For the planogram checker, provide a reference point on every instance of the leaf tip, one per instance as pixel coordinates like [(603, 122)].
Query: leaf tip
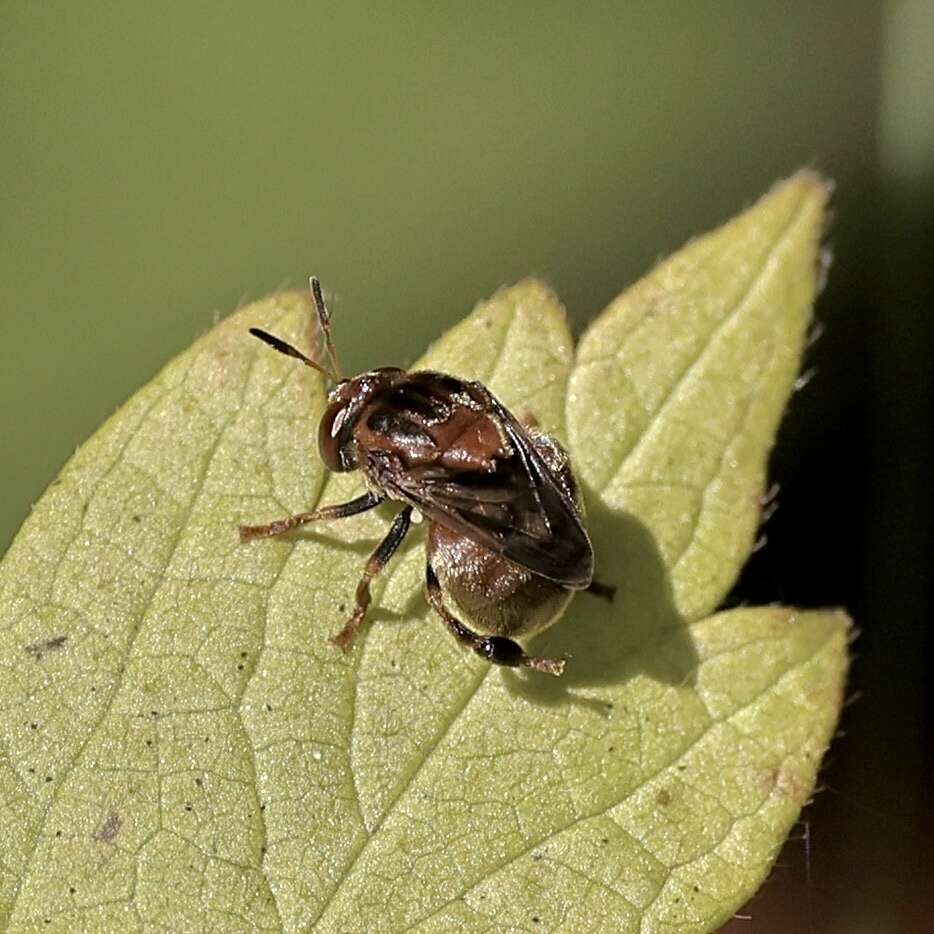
[(532, 292), (839, 619), (810, 189), (811, 180)]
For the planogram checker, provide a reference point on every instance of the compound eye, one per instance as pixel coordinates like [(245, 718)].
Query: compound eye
[(333, 434)]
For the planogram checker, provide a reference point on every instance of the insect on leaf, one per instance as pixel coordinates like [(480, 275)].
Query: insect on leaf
[(183, 746)]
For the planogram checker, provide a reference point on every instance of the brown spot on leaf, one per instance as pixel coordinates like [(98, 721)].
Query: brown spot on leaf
[(785, 783), (663, 797), (789, 785), (108, 831)]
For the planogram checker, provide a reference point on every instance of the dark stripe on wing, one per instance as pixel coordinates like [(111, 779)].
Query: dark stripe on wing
[(518, 511)]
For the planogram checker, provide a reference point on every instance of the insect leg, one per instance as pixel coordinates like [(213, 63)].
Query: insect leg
[(375, 563), (338, 511), (603, 591), (496, 649)]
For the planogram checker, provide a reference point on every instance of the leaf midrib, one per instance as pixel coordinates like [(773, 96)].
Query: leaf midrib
[(670, 396), (455, 713)]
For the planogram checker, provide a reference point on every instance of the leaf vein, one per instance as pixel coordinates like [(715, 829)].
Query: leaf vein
[(672, 392), (136, 628), (604, 812)]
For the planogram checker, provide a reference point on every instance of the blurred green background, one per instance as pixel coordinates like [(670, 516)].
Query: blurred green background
[(162, 162)]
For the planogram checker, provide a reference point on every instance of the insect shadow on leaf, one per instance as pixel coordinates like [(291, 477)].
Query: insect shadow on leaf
[(640, 632)]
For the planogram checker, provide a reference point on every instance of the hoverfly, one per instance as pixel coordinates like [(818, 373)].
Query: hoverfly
[(505, 535)]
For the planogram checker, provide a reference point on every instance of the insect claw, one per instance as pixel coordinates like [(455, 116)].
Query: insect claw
[(342, 642), (250, 532), (550, 666), (345, 637)]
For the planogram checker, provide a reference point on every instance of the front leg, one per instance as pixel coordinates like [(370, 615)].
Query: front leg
[(338, 511), (496, 649)]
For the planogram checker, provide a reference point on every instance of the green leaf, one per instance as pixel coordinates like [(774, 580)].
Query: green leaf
[(183, 747), (681, 382)]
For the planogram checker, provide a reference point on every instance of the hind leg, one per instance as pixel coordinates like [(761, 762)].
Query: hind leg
[(496, 649)]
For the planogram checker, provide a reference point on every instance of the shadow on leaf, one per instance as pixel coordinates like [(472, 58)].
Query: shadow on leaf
[(639, 633)]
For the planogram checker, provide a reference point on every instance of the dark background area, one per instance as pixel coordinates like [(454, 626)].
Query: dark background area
[(159, 164)]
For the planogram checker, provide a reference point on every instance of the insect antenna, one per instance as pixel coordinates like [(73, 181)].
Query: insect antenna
[(290, 351), (324, 319)]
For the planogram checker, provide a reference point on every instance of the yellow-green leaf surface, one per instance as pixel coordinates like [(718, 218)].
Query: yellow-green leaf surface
[(681, 382), (184, 749)]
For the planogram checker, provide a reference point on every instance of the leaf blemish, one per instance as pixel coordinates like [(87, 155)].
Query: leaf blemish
[(38, 649), (108, 831), (784, 783)]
